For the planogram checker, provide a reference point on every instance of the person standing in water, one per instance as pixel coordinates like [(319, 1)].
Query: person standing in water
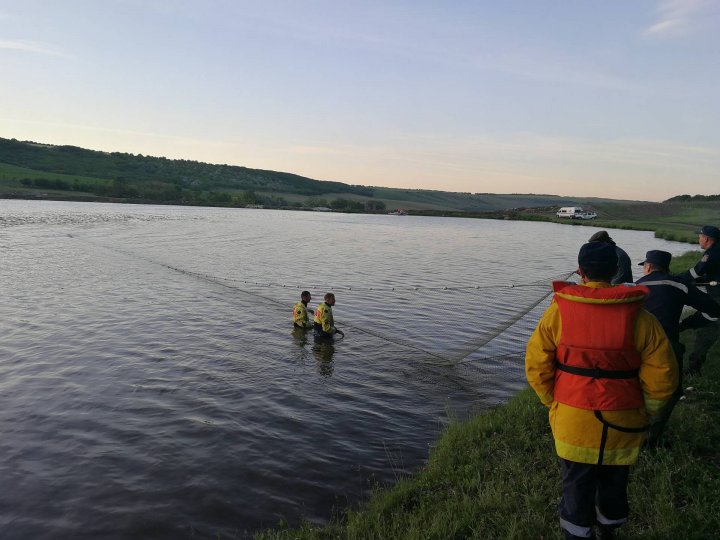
[(300, 312), (324, 325)]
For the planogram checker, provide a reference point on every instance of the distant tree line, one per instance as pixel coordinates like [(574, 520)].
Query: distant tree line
[(185, 174), (53, 183), (693, 198), (123, 188), (345, 205)]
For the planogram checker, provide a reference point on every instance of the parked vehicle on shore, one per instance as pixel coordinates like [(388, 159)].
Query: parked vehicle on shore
[(575, 212)]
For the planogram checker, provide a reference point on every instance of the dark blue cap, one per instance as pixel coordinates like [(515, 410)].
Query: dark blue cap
[(658, 258), (597, 255), (709, 230)]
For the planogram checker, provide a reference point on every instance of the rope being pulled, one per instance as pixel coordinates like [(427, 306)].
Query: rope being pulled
[(475, 345)]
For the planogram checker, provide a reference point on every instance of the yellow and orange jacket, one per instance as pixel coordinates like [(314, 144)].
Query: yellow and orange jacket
[(300, 316), (627, 364), (324, 318)]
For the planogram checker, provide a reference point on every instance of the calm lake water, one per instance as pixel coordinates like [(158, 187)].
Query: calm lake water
[(151, 385)]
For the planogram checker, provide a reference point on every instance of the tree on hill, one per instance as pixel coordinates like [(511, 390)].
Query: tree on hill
[(693, 198), (375, 206)]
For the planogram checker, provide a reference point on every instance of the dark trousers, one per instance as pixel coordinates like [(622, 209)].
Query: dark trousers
[(592, 494), (656, 429), (705, 338)]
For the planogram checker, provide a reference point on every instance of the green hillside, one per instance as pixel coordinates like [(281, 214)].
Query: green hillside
[(34, 170), (42, 171), (140, 169)]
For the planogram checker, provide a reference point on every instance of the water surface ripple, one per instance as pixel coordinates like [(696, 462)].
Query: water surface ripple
[(151, 385)]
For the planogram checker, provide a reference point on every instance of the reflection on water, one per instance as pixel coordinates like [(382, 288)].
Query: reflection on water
[(151, 385), (300, 335), (323, 350)]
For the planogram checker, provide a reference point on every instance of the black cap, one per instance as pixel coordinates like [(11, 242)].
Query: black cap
[(600, 236), (658, 258), (710, 230), (597, 255)]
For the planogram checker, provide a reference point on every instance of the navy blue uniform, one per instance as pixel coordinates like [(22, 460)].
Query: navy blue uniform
[(706, 270), (669, 294)]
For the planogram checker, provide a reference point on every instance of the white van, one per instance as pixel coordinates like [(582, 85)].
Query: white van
[(569, 211), (575, 212)]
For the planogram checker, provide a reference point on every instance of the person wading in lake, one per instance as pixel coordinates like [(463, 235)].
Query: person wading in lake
[(300, 313), (324, 325), (707, 270), (624, 269), (604, 367), (668, 296)]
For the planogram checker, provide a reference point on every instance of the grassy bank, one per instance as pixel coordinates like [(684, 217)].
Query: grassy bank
[(497, 476), (675, 221)]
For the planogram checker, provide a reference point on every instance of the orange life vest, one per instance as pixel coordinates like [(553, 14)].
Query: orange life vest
[(597, 364)]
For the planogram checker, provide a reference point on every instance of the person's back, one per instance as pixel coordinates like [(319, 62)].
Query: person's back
[(300, 312), (666, 300), (323, 319), (602, 365), (624, 272), (624, 265), (301, 318), (323, 322)]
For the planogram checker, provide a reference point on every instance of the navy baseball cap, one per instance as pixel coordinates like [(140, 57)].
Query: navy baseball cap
[(658, 258), (710, 230), (597, 255)]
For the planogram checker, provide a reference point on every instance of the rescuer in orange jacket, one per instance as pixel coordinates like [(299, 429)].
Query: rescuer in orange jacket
[(604, 367)]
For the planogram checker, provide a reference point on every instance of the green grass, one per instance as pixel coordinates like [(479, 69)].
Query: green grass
[(497, 476), (10, 175), (676, 221)]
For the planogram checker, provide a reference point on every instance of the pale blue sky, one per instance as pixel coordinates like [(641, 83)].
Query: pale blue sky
[(575, 97)]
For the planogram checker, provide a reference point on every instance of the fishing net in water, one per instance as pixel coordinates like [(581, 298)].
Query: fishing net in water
[(458, 326), (470, 327)]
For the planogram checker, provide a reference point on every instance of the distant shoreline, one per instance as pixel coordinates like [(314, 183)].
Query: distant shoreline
[(667, 228)]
